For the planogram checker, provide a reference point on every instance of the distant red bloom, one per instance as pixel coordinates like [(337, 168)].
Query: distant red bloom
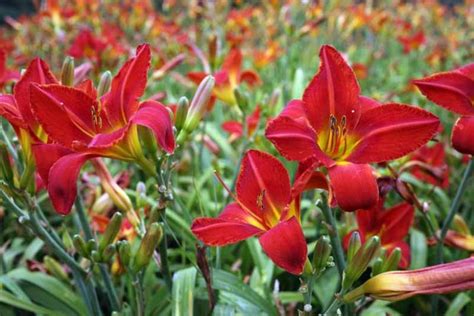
[(429, 165), (84, 127), (412, 41), (391, 225), (265, 206), (6, 74), (87, 45), (454, 91), (235, 128), (229, 77), (345, 131)]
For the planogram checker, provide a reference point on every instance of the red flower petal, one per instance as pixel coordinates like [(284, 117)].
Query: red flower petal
[(391, 131), (9, 110), (250, 77), (367, 103), (294, 139), (230, 227), (354, 186), (333, 91), (64, 113), (233, 127), (463, 135), (156, 117), (45, 157), (285, 245), (87, 86), (233, 62), (127, 86), (196, 77), (263, 186), (467, 70), (294, 109), (451, 90), (406, 253), (37, 72), (395, 222), (62, 186)]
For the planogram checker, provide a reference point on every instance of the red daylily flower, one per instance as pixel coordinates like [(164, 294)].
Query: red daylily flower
[(429, 165), (235, 128), (6, 75), (454, 91), (87, 45), (83, 127), (265, 206), (345, 131), (229, 77), (412, 42), (391, 225)]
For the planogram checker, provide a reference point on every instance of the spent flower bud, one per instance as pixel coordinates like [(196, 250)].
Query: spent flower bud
[(67, 71)]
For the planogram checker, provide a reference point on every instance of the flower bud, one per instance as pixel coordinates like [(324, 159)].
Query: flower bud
[(80, 246), (104, 83), (108, 252), (181, 113), (242, 100), (377, 267), (391, 263), (212, 47), (6, 171), (199, 103), (460, 226), (354, 245), (147, 246), (113, 228), (124, 252), (55, 268), (91, 245), (322, 251), (67, 241), (67, 72), (360, 261)]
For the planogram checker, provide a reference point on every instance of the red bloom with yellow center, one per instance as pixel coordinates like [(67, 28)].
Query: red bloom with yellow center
[(345, 131), (229, 77), (266, 206), (454, 91), (391, 225), (83, 127)]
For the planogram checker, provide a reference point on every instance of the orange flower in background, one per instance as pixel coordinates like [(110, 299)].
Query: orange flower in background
[(229, 77)]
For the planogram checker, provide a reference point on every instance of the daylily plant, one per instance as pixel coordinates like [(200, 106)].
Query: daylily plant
[(454, 91), (391, 225), (265, 206), (345, 131), (83, 127)]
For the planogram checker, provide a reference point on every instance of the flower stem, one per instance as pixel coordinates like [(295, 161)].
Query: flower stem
[(334, 236), (163, 248), (139, 296)]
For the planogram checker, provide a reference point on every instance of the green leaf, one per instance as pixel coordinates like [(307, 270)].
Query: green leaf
[(11, 285), (52, 288), (458, 304), (298, 84), (419, 249), (326, 286), (264, 265), (291, 297), (380, 308), (10, 299), (32, 249), (182, 295)]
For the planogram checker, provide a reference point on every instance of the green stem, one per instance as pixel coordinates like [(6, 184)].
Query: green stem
[(111, 293), (336, 303), (163, 248), (139, 296), (94, 302), (335, 240), (83, 220)]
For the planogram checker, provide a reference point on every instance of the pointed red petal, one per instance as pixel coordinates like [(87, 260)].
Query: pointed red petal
[(233, 128), (127, 86), (467, 70), (45, 157), (285, 245), (196, 77), (367, 104), (391, 131), (263, 186), (9, 110), (37, 72), (250, 77), (62, 186), (396, 222), (64, 113), (451, 90), (294, 139), (233, 62), (156, 117), (294, 109), (354, 186), (87, 86), (232, 225), (462, 136), (333, 91), (307, 177)]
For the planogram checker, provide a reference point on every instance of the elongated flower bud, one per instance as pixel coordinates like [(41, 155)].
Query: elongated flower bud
[(104, 83), (80, 246), (377, 267), (398, 285), (147, 246), (242, 100), (181, 113), (360, 261), (391, 263), (6, 171), (124, 253), (460, 226), (108, 252), (198, 103), (354, 246), (67, 71), (111, 232), (322, 251), (55, 268)]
